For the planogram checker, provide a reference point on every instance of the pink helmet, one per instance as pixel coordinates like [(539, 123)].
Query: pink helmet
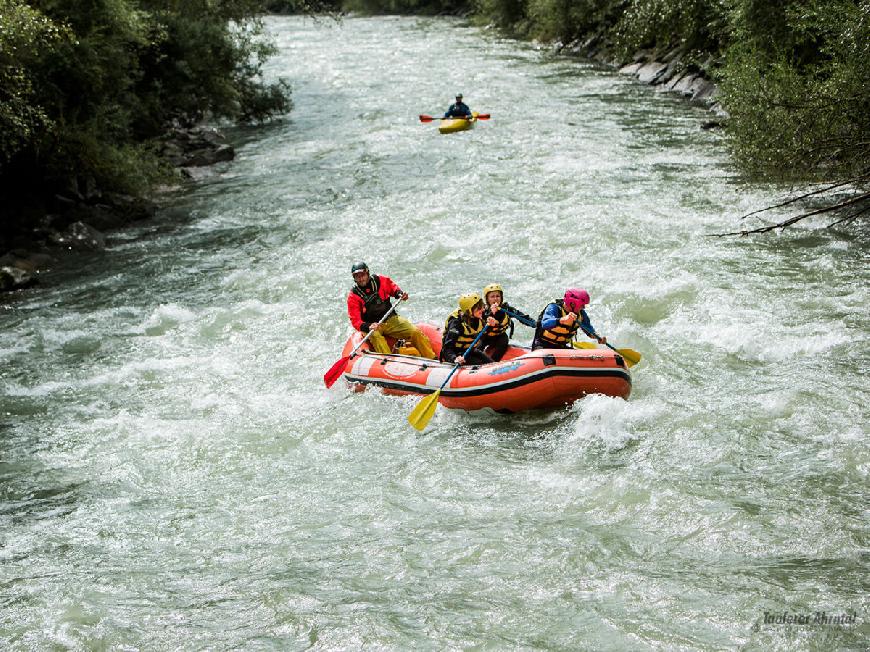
[(575, 298)]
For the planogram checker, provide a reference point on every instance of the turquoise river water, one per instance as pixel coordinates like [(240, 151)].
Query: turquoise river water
[(174, 474)]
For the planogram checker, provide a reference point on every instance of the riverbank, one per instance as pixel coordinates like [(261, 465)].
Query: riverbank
[(80, 217), (674, 70)]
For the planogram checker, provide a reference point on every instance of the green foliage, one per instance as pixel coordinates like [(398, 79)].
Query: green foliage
[(130, 168), (26, 37), (85, 84), (206, 60), (508, 15), (665, 24), (406, 6), (799, 102), (567, 20)]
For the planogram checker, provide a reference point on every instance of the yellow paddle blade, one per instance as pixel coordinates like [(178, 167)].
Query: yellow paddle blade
[(631, 356), (422, 413)]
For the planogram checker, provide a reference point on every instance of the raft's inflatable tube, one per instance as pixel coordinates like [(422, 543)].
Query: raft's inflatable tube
[(523, 380)]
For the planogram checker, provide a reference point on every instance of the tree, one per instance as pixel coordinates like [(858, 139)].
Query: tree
[(87, 84)]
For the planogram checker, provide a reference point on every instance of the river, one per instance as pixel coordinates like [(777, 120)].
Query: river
[(174, 475)]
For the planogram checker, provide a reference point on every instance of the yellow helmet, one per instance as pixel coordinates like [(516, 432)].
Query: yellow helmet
[(493, 287), (468, 301)]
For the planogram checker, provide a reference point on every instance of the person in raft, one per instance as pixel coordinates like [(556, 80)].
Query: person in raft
[(461, 329), (459, 109), (501, 328), (561, 319), (369, 300)]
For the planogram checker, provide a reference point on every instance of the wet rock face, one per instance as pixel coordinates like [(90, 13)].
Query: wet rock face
[(19, 269), (76, 216), (81, 237), (197, 147), (650, 73), (14, 278), (670, 73)]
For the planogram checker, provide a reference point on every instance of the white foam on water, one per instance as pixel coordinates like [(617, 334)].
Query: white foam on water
[(612, 422), (166, 317)]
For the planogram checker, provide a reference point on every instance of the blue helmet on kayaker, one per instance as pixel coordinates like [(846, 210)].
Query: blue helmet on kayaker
[(576, 299)]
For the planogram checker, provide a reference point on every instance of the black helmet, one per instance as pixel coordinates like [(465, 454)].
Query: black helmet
[(359, 267)]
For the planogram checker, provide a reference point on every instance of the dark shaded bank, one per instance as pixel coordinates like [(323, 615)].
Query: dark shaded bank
[(78, 217), (99, 106)]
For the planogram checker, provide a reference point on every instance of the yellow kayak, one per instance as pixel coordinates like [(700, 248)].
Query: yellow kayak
[(457, 124)]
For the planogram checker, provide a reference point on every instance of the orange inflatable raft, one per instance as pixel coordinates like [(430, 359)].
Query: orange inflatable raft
[(522, 380)]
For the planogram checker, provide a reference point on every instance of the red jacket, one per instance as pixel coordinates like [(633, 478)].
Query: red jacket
[(356, 305)]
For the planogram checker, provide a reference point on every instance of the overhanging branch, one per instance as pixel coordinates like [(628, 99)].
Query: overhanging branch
[(862, 201)]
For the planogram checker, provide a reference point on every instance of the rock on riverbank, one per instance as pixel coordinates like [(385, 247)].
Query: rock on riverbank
[(671, 71)]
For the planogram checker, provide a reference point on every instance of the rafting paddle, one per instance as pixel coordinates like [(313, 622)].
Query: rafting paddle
[(429, 118), (631, 356), (422, 413), (336, 370), (525, 321)]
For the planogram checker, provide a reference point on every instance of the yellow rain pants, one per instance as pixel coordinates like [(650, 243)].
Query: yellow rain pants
[(401, 329)]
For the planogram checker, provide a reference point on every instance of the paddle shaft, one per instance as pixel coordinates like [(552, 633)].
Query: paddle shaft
[(335, 371), (381, 321), (522, 320), (632, 356), (423, 411), (476, 340), (479, 116), (596, 337)]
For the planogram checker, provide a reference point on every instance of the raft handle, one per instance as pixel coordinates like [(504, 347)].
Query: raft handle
[(619, 360), (549, 360)]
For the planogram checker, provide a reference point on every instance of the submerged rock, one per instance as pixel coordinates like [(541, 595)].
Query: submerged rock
[(14, 278), (80, 236)]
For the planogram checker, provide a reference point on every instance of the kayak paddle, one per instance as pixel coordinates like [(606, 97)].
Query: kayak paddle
[(336, 370), (422, 413), (429, 118)]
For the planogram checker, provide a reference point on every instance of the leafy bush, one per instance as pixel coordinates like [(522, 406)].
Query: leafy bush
[(699, 25), (799, 99), (26, 38), (86, 84)]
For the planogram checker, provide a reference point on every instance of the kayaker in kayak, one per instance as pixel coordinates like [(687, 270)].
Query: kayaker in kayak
[(369, 300), (561, 319), (460, 330), (501, 329), (459, 109)]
